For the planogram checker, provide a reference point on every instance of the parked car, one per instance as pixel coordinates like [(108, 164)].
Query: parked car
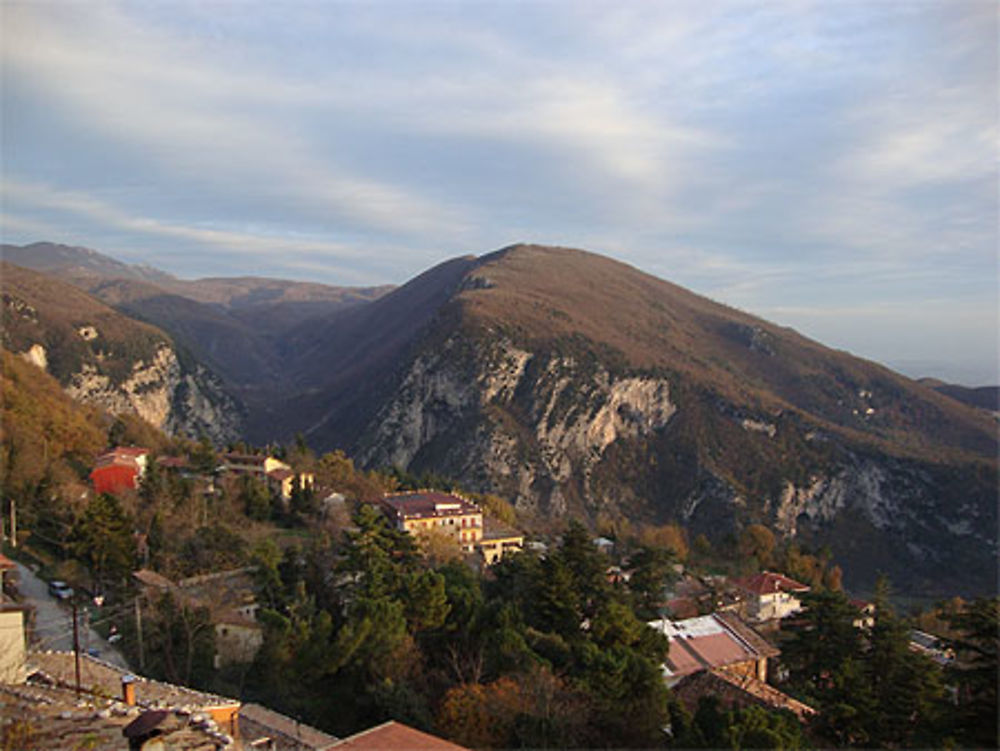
[(60, 589)]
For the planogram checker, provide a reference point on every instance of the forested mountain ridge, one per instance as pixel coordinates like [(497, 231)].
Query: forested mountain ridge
[(577, 386)]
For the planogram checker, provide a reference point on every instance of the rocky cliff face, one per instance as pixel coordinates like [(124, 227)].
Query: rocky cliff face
[(505, 419), (111, 361), (175, 399), (563, 435)]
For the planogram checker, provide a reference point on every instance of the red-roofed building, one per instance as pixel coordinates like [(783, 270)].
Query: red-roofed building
[(771, 596), (395, 736), (119, 469)]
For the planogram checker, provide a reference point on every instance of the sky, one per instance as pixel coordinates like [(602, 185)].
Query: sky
[(830, 166)]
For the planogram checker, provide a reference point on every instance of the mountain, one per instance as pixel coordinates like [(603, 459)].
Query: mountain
[(577, 385), (983, 397), (233, 325), (75, 264), (104, 358)]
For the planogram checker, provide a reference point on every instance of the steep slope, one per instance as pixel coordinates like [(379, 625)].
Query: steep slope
[(234, 325), (339, 367), (104, 358), (578, 385)]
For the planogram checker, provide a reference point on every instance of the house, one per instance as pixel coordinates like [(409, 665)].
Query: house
[(720, 640), (119, 469), (278, 476), (605, 545), (498, 540), (232, 605), (866, 614), (395, 736), (927, 644), (426, 510), (102, 680), (736, 691), (13, 647), (264, 728), (55, 719), (771, 596)]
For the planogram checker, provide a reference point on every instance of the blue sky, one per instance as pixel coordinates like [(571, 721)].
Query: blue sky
[(829, 166)]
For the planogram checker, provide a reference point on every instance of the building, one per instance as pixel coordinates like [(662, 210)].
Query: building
[(498, 540), (13, 649), (119, 469), (927, 644), (736, 691), (395, 736), (232, 605), (102, 679), (264, 728), (771, 596), (426, 511), (278, 475), (720, 640), (866, 614)]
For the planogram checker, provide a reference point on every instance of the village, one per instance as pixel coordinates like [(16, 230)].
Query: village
[(724, 635)]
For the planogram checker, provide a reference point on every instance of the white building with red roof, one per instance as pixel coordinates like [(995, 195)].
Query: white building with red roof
[(771, 596)]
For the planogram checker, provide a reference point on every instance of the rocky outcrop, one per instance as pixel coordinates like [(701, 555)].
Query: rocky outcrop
[(177, 399), (539, 423)]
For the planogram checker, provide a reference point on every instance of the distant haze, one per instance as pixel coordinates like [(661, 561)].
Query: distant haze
[(828, 166)]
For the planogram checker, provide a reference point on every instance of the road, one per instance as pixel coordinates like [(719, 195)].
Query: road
[(54, 621)]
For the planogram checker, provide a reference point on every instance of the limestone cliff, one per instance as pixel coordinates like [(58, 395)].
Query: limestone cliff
[(111, 361), (530, 425), (178, 400)]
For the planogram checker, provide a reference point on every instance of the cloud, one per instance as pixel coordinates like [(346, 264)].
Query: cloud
[(224, 131)]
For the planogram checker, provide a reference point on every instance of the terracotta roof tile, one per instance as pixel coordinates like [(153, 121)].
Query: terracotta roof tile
[(769, 583), (395, 736)]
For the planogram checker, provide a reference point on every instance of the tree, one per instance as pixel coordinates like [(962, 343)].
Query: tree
[(179, 641), (103, 539), (976, 670), (255, 498), (651, 570), (757, 541)]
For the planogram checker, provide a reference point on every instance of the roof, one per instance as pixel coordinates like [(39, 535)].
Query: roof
[(429, 505), (260, 722), (133, 451), (245, 458), (60, 722), (104, 679), (172, 462), (494, 529), (280, 474), (710, 641), (395, 736), (736, 689), (152, 579), (769, 583)]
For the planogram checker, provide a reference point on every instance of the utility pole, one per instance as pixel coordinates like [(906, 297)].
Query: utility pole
[(76, 646), (138, 632)]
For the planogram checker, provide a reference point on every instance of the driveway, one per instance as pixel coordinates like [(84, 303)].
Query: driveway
[(54, 621)]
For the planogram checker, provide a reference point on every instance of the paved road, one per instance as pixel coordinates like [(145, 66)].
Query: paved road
[(54, 621)]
